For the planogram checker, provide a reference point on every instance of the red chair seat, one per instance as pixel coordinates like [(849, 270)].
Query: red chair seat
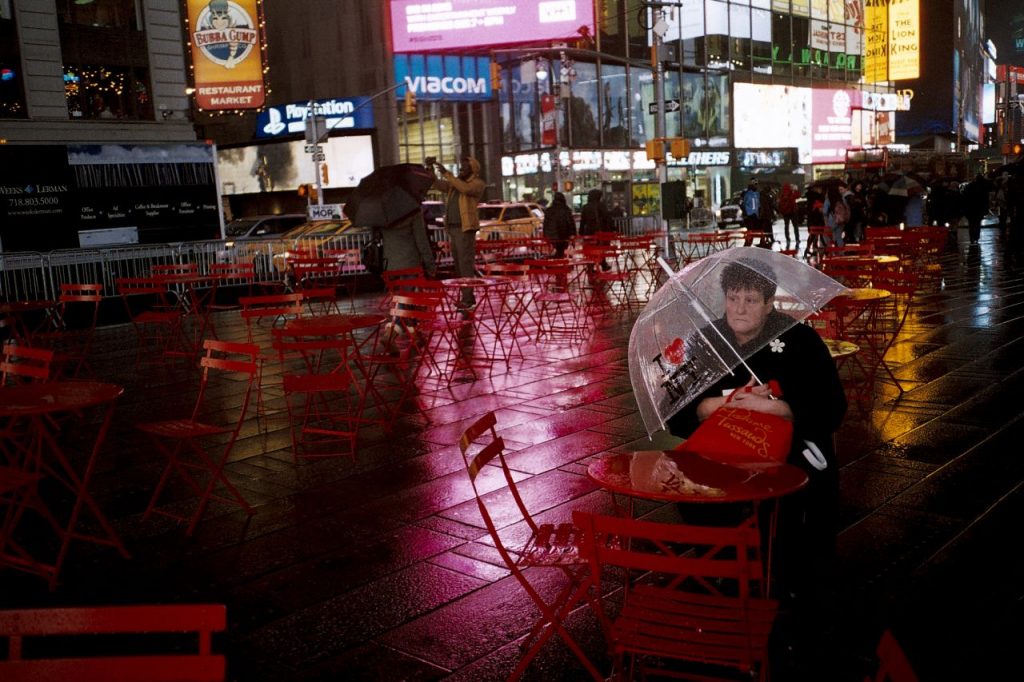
[(182, 428)]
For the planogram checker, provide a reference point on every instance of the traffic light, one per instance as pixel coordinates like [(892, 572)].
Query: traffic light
[(308, 191), (325, 178), (410, 101), (495, 76), (656, 149), (1018, 148), (568, 185), (303, 191), (680, 148)]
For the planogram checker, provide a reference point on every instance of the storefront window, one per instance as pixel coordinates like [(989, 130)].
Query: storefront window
[(101, 13), (614, 106), (581, 106), (12, 91), (640, 127), (782, 45), (106, 61)]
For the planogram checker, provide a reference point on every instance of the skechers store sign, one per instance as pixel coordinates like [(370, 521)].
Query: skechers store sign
[(290, 119), (450, 77)]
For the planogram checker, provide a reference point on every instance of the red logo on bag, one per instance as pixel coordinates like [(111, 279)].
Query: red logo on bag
[(674, 352)]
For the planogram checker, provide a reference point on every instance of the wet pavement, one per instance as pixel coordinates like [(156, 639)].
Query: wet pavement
[(380, 568)]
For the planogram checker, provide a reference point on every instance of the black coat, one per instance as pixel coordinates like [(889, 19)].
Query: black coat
[(559, 224), (807, 376)]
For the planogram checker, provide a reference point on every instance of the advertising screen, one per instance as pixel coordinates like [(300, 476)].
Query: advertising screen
[(281, 166), (418, 26), (818, 122)]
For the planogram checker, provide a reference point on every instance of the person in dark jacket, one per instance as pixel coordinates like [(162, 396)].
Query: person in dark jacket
[(559, 225), (594, 217), (975, 202), (812, 397)]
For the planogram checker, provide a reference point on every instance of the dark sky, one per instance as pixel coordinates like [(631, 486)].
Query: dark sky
[(1004, 23)]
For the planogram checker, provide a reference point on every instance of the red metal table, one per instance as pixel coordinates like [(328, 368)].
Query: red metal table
[(19, 310), (31, 443), (686, 477)]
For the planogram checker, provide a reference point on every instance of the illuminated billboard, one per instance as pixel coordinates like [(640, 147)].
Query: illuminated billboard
[(280, 166), (819, 122), (892, 40), (418, 26), (227, 54)]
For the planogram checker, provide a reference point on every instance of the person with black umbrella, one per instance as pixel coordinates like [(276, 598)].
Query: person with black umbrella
[(462, 194)]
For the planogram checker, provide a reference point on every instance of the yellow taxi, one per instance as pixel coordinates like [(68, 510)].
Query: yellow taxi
[(509, 220)]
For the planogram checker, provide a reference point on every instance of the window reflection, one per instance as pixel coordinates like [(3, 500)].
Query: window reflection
[(101, 13)]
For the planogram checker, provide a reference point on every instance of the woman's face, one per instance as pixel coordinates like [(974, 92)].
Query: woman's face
[(746, 312)]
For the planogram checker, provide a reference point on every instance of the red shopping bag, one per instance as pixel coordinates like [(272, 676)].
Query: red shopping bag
[(736, 435)]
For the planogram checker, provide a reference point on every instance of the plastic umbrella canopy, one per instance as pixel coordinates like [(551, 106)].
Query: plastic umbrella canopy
[(388, 195), (906, 185), (680, 346)]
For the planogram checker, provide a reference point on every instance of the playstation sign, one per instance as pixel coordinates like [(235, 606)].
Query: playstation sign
[(290, 119)]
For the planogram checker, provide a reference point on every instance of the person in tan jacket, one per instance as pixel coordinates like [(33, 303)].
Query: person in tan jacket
[(463, 193)]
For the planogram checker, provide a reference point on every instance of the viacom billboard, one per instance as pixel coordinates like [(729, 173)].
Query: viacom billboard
[(449, 77), (227, 54)]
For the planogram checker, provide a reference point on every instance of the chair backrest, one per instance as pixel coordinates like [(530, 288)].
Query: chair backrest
[(82, 301), (893, 665), (72, 627), (853, 271), (412, 310), (313, 350), (708, 559), (485, 452), (274, 306), (24, 364), (350, 260), (825, 322), (310, 270), (175, 269), (229, 357), (243, 272)]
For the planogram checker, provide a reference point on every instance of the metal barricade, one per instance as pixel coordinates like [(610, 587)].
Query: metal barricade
[(24, 276), (79, 266)]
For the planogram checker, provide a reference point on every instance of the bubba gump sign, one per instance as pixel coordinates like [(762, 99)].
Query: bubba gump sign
[(227, 54)]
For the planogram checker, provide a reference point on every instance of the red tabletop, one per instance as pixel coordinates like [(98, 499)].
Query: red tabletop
[(333, 324), (57, 396), (675, 476), (18, 307)]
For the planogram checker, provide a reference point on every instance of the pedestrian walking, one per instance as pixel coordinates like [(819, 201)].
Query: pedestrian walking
[(787, 209), (975, 205), (559, 225)]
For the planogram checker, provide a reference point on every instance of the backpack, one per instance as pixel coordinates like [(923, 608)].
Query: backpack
[(372, 255), (841, 212), (751, 202)]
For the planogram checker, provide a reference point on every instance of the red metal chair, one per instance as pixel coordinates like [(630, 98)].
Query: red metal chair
[(157, 322), (318, 280), (692, 595), (24, 363), (184, 442), (391, 279), (224, 275), (327, 415), (77, 312), (555, 307), (69, 631), (276, 307), (552, 546), (893, 665)]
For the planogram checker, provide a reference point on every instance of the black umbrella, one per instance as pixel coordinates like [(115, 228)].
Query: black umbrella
[(388, 195)]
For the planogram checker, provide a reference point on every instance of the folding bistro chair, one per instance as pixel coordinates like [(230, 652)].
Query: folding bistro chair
[(77, 312), (321, 411), (157, 322), (184, 442), (317, 279), (276, 307), (692, 596), (24, 364), (549, 546), (134, 648), (555, 308)]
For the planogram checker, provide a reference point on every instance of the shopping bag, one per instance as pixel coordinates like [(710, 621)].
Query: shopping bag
[(736, 435)]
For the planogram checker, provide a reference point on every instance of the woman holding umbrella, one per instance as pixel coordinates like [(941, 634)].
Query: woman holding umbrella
[(810, 394)]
